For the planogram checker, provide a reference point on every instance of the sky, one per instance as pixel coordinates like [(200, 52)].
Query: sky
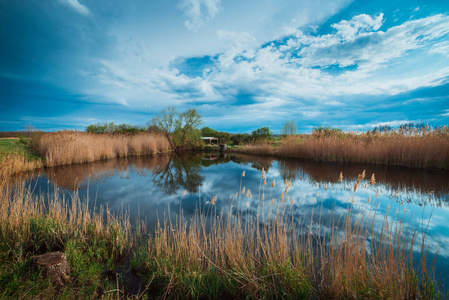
[(65, 64)]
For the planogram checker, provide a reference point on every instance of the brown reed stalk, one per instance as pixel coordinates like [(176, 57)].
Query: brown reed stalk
[(72, 147), (429, 150)]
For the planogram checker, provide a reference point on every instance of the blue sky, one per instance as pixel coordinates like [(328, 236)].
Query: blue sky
[(65, 64)]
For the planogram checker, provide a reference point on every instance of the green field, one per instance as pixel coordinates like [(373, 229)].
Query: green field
[(15, 145)]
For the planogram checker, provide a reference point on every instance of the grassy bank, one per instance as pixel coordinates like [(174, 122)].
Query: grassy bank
[(16, 157), (29, 225), (429, 149), (258, 249)]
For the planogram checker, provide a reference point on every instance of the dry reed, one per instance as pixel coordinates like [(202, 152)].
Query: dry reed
[(257, 148), (429, 149), (272, 254), (72, 147), (422, 151), (21, 211), (269, 254), (16, 163)]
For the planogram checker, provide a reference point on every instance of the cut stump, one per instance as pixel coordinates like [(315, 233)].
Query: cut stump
[(55, 265)]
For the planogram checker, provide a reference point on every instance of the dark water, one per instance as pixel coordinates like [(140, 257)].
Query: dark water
[(151, 187)]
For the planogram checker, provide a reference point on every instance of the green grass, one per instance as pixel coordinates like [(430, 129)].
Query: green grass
[(19, 146), (9, 145), (95, 247), (90, 260)]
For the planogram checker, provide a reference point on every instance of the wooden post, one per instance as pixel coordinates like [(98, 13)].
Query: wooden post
[(55, 265)]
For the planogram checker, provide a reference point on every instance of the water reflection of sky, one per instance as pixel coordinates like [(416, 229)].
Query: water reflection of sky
[(151, 187)]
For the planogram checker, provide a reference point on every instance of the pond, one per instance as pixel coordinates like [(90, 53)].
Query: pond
[(152, 188)]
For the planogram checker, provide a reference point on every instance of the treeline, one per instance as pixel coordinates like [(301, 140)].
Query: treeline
[(115, 128), (260, 134)]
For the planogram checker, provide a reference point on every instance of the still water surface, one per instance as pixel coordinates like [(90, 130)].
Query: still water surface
[(152, 187)]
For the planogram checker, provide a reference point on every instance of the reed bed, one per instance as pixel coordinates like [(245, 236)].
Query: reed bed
[(257, 248), (73, 147), (265, 148), (94, 241), (428, 149), (271, 254), (15, 163)]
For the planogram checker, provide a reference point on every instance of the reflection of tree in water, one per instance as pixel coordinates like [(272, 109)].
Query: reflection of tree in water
[(257, 162), (183, 171), (290, 170), (179, 172)]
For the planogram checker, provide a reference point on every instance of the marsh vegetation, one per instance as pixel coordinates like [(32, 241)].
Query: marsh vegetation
[(419, 148), (245, 239)]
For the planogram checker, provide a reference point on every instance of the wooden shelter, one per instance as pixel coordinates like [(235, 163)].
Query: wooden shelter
[(210, 140)]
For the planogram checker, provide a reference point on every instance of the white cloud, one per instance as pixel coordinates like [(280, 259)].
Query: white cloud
[(75, 5), (441, 48), (198, 11), (357, 25), (358, 42), (276, 71), (240, 40), (292, 77)]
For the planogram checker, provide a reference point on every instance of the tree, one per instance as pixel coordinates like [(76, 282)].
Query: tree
[(186, 132), (180, 129), (207, 131), (223, 137), (289, 128), (239, 138), (113, 128), (262, 133), (165, 121), (153, 129)]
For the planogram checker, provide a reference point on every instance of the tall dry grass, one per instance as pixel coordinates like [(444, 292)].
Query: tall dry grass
[(273, 253), (72, 147), (259, 248), (422, 151), (16, 163), (24, 216), (264, 148), (94, 241)]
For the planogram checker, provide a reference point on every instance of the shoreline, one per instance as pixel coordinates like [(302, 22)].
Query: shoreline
[(41, 150), (182, 259)]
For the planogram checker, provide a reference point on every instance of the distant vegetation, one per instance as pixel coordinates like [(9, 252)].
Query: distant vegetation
[(289, 128), (258, 135), (422, 147), (114, 128)]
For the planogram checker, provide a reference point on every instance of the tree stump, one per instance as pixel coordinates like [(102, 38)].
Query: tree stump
[(55, 265)]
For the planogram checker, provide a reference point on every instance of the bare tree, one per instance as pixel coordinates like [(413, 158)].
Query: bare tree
[(165, 121), (289, 128)]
